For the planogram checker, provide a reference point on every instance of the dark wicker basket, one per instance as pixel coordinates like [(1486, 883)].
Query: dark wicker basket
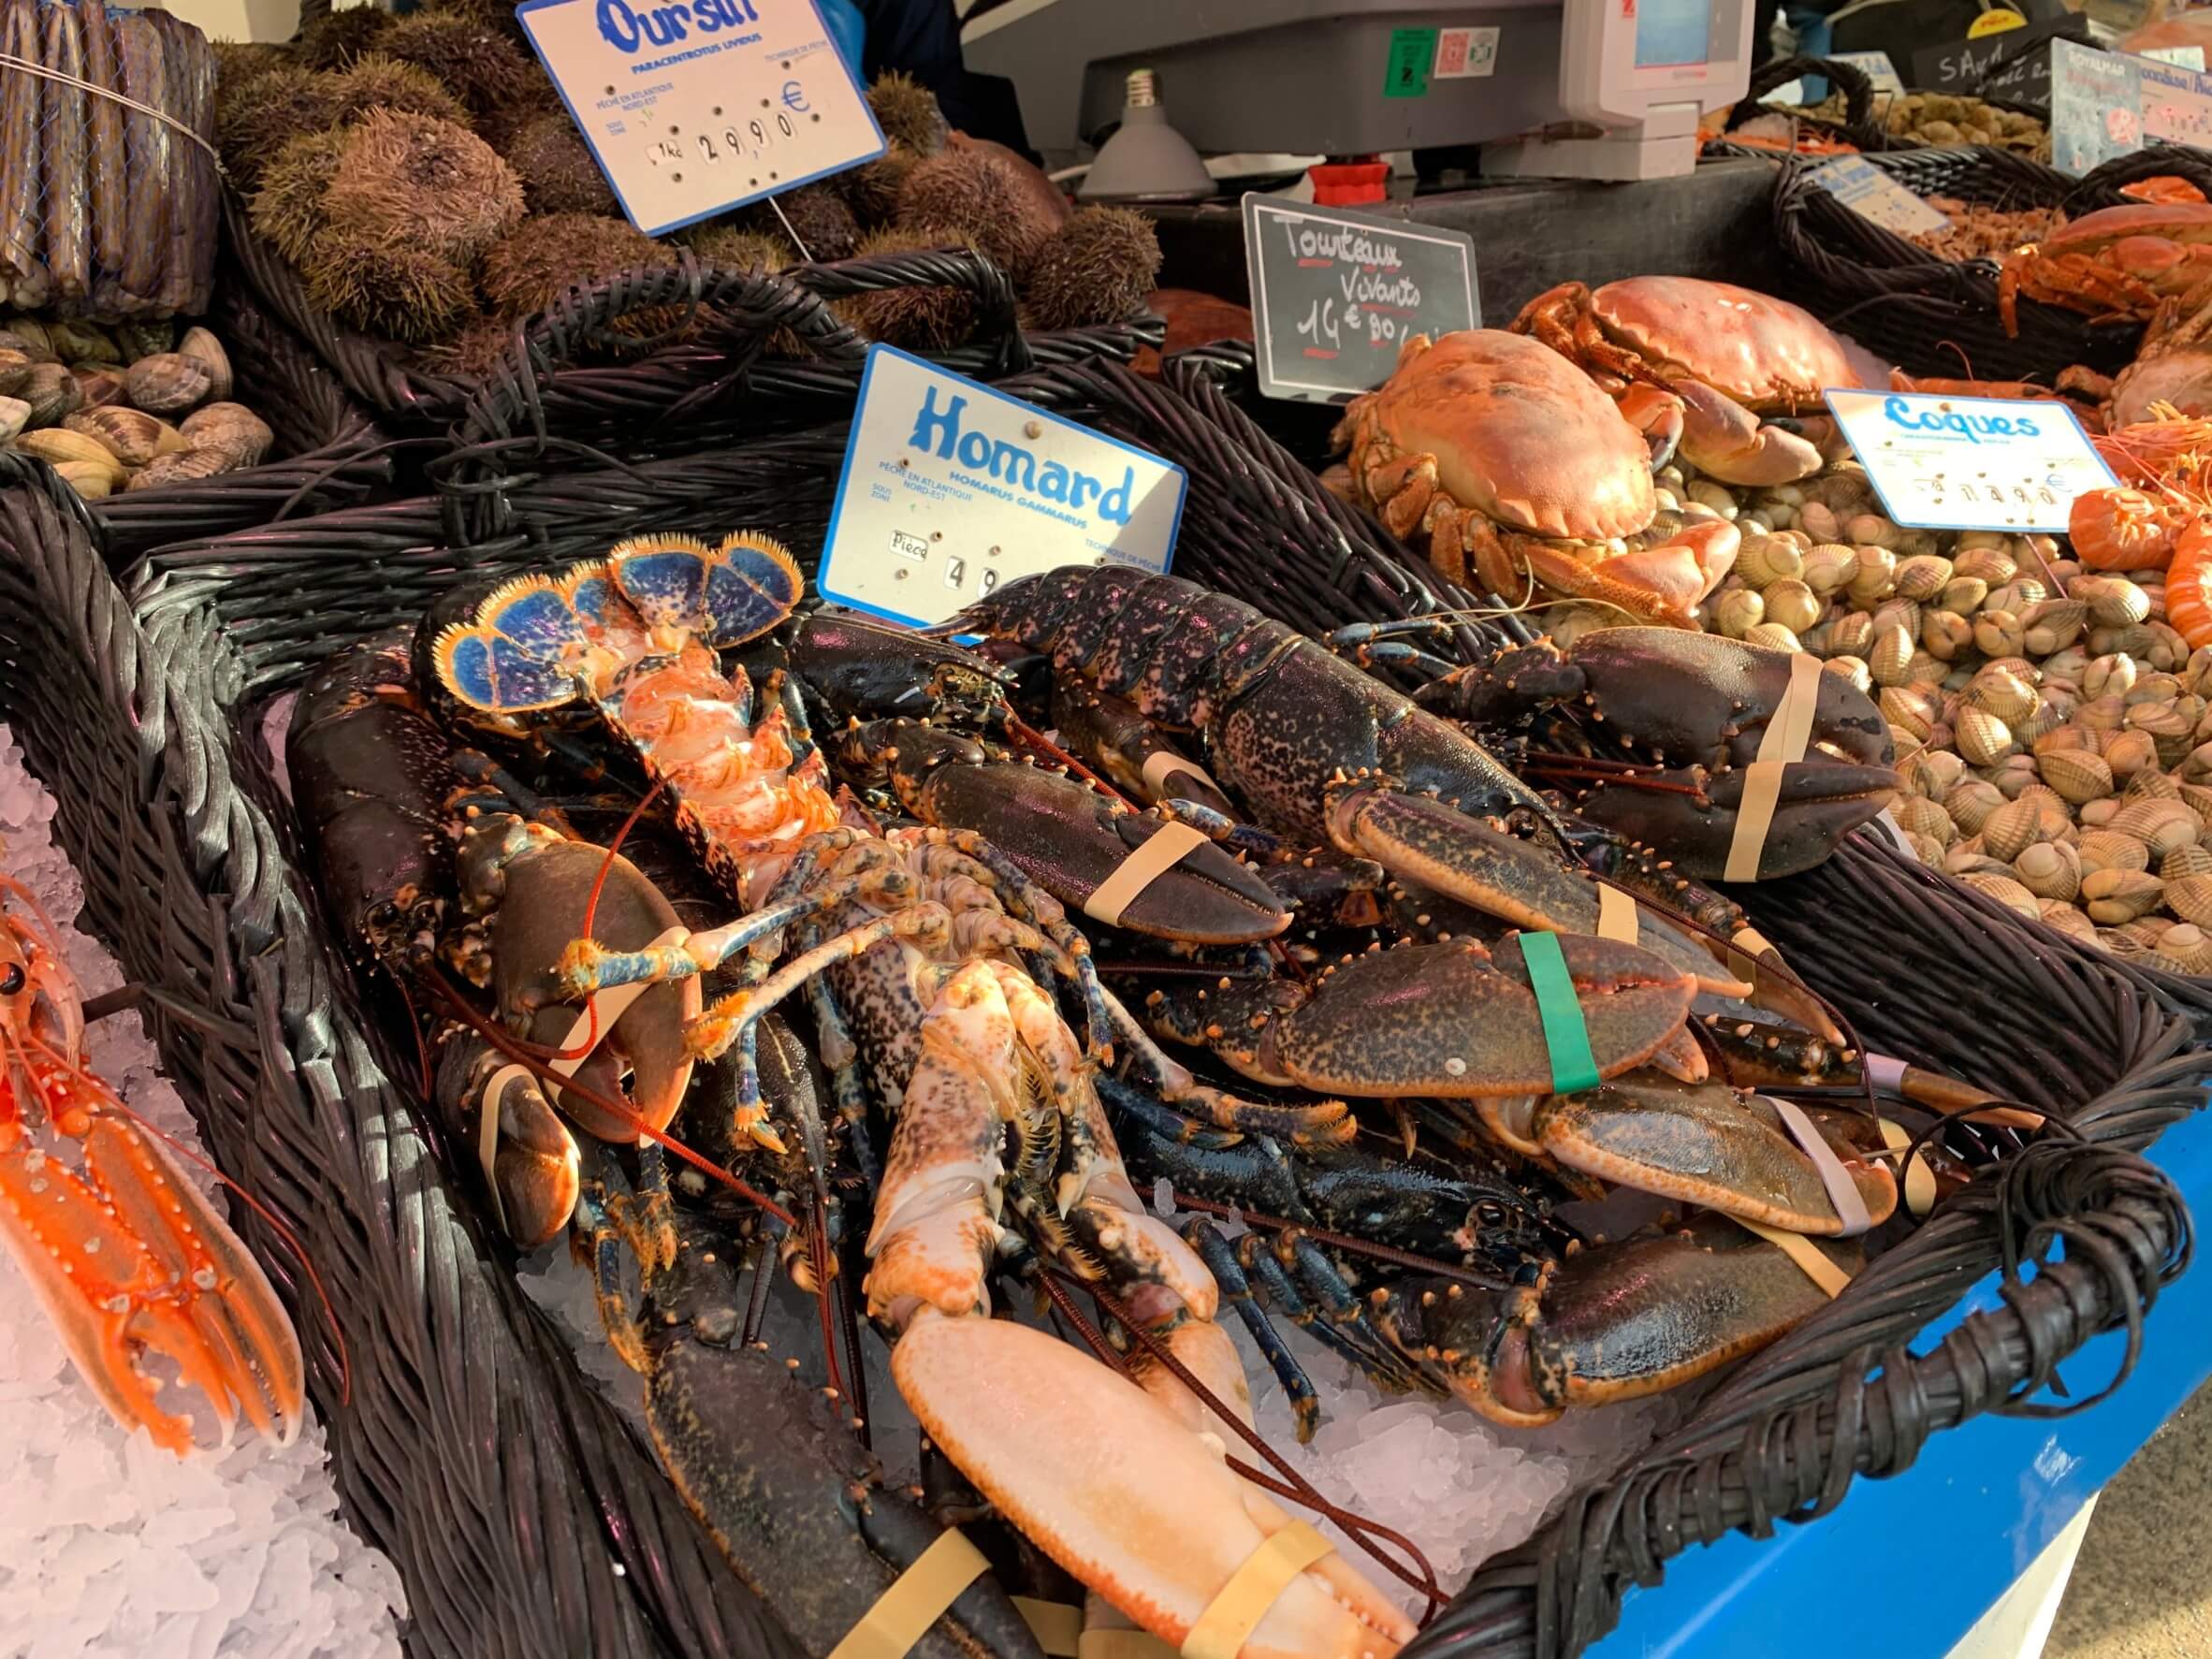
[(1860, 127), (1933, 317), (328, 452), (1958, 983), (677, 378)]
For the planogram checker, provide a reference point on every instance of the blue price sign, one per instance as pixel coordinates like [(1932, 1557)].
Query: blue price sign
[(696, 106)]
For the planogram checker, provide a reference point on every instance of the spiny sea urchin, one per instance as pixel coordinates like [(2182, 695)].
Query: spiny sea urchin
[(426, 181), (907, 111), (555, 165), (817, 215), (923, 319), (239, 62), (375, 79), (1094, 268), (255, 121), (388, 285), (530, 270), (736, 249), (484, 69), (288, 208), (871, 189), (983, 193), (336, 38)]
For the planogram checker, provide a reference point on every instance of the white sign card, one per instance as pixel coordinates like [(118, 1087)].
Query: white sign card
[(1873, 194), (1971, 464), (696, 106), (951, 489), (1876, 67), (2105, 104)]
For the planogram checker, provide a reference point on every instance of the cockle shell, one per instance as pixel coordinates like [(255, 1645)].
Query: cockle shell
[(2129, 753), (1983, 738), (96, 388), (2076, 773), (2069, 921), (2012, 829), (1922, 576), (1892, 655), (1827, 567), (168, 383), (2190, 899), (1852, 669), (2184, 948), (1792, 604), (2186, 861), (1765, 559), (1971, 802), (1852, 635), (1963, 595), (1990, 566), (2001, 692), (1911, 709), (2006, 892), (15, 369), (2111, 600), (1998, 634), (2105, 850), (135, 436), (1918, 815), (205, 349), (1934, 774), (2108, 674), (1945, 636), (2160, 826), (2050, 869), (2114, 896), (1773, 635)]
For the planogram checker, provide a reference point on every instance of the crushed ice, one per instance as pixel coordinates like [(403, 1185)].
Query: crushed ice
[(110, 1545)]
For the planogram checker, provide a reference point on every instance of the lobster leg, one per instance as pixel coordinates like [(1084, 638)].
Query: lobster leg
[(1220, 1261), (1325, 1120), (132, 1256)]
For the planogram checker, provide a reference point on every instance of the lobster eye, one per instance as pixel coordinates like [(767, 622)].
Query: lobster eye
[(12, 978), (1490, 1213)]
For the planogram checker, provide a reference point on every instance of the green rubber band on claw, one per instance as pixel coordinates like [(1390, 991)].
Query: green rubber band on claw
[(1566, 1038)]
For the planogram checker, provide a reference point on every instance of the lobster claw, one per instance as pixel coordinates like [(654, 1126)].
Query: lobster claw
[(1613, 1322), (1118, 1489), (1458, 1022), (1821, 802), (132, 1256)]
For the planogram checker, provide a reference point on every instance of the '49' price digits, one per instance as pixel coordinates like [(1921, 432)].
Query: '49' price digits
[(755, 137)]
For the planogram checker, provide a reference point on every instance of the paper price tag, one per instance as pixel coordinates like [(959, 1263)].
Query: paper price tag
[(1971, 464), (2189, 57), (2105, 104), (1876, 67), (951, 489), (1873, 194), (1466, 54), (696, 106)]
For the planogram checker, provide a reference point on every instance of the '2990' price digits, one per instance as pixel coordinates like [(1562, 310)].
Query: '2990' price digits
[(755, 137)]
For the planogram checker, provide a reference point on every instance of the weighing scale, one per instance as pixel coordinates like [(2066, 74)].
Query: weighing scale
[(1580, 89)]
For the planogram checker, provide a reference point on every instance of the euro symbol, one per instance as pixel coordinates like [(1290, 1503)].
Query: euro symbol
[(793, 99)]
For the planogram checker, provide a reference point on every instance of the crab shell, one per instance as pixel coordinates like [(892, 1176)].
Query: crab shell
[(2096, 233), (1520, 434), (1765, 354)]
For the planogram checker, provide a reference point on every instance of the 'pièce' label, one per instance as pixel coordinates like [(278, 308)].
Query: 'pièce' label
[(952, 489), (1971, 464), (696, 106)]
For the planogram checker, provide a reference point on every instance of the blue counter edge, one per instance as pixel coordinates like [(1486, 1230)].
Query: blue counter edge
[(1976, 1509)]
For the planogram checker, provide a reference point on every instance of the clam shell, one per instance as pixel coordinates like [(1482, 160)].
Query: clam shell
[(1827, 567), (1934, 774), (134, 436), (1911, 709), (181, 468), (1738, 611), (1872, 529), (2106, 850), (1923, 576), (1874, 574), (87, 479), (29, 335), (2186, 861), (1982, 737), (1772, 635), (1971, 802), (203, 346), (142, 339), (2001, 692), (2050, 869), (1897, 613), (2160, 826), (51, 393), (98, 387), (2190, 899), (1946, 635), (1852, 635), (1793, 604), (2076, 775), (1992, 566), (1764, 560), (1852, 669), (168, 383), (2114, 896), (232, 428), (2069, 920), (2106, 714), (1923, 668), (1817, 520), (55, 444), (2129, 753), (2012, 829), (1999, 632), (2111, 600), (2052, 625), (2006, 892), (1963, 595), (15, 369), (1918, 815), (1892, 655), (2108, 674), (14, 416)]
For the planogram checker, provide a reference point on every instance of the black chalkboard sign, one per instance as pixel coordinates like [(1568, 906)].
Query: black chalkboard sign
[(1335, 294), (2014, 65)]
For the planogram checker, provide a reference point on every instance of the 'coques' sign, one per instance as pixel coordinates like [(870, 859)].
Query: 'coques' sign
[(1971, 464), (951, 489)]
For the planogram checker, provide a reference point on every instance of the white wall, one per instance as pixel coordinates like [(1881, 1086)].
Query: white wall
[(239, 20)]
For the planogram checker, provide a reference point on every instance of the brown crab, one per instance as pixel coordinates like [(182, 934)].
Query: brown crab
[(1704, 364), (1511, 461)]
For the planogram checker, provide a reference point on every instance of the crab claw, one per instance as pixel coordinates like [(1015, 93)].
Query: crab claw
[(1116, 1488), (1612, 1323), (1725, 441), (1821, 802), (131, 1256), (1704, 1144), (1455, 1021), (543, 887)]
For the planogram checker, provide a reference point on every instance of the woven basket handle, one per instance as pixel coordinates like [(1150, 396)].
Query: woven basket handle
[(1858, 91), (996, 325)]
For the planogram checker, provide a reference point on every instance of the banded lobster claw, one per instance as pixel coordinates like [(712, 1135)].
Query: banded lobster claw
[(1066, 837), (1691, 700), (537, 886), (128, 1255), (1613, 1322)]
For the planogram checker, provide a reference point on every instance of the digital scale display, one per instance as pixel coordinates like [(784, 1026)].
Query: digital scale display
[(1671, 34)]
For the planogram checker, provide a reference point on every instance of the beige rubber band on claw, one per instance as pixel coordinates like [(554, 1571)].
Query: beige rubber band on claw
[(1169, 846), (1616, 914), (1843, 1194), (1158, 764), (904, 1613), (1789, 734), (1920, 1188), (1057, 1625), (1832, 1279), (606, 1007), (1230, 1619), (1122, 1644)]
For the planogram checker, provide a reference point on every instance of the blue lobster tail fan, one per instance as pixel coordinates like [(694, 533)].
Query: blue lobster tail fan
[(664, 579), (515, 655), (752, 584)]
